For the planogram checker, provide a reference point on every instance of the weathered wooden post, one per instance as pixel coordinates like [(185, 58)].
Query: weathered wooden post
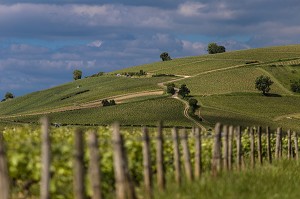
[(269, 151), (239, 147), (78, 165), (230, 147), (259, 147), (252, 147), (4, 177), (225, 147), (216, 156), (289, 136), (296, 145), (198, 153), (94, 171), (160, 158), (147, 163), (278, 144), (186, 156), (124, 186), (46, 155), (176, 156)]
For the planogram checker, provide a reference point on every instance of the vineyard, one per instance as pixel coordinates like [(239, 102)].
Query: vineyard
[(228, 149), (222, 83)]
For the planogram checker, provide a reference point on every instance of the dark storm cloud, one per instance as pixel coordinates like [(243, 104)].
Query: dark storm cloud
[(41, 42)]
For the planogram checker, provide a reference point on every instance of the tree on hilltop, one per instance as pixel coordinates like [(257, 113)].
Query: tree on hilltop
[(9, 95), (165, 56), (77, 74), (263, 83), (214, 48)]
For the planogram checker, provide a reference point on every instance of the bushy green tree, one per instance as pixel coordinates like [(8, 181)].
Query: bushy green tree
[(295, 86), (165, 56), (171, 88), (8, 95), (214, 48), (184, 91), (77, 74), (263, 83)]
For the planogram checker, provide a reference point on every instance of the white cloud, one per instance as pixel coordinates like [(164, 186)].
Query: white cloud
[(96, 43), (191, 9)]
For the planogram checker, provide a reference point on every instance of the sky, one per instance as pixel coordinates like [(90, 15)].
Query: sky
[(43, 41)]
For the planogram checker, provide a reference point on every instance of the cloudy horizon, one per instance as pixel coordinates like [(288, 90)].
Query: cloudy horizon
[(43, 41)]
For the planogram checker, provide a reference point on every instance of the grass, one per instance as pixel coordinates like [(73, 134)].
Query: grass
[(99, 88), (234, 80), (250, 109), (279, 180), (145, 112), (227, 95)]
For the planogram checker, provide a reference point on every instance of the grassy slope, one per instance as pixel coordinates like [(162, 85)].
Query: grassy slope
[(100, 87), (241, 101), (145, 112)]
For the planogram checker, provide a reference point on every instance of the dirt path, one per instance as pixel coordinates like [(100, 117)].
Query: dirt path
[(186, 113), (119, 99)]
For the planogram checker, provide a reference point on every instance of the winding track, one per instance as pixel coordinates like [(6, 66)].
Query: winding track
[(121, 98)]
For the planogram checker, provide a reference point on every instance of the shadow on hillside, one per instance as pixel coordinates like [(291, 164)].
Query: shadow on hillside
[(272, 95)]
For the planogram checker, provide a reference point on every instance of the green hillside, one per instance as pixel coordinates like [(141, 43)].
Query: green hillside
[(222, 83)]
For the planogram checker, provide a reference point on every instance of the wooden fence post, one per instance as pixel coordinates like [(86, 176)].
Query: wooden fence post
[(4, 177), (225, 147), (289, 153), (147, 163), (239, 147), (124, 186), (186, 156), (198, 154), (160, 158), (176, 156), (296, 145), (278, 144), (94, 171), (78, 165), (216, 156), (259, 147), (230, 139), (46, 156), (252, 147), (269, 151)]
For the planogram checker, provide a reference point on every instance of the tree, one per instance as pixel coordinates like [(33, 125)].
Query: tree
[(214, 48), (9, 95), (193, 104), (77, 74), (171, 88), (295, 86), (165, 56), (263, 83), (183, 90)]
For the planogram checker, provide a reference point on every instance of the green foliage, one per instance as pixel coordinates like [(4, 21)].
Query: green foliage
[(295, 86), (263, 83), (165, 56), (105, 102), (96, 75), (8, 95), (214, 48), (184, 91), (171, 88), (77, 74), (269, 181)]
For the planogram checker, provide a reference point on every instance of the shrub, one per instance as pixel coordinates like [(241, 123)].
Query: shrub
[(295, 86)]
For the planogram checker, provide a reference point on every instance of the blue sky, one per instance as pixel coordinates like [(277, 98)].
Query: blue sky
[(43, 41)]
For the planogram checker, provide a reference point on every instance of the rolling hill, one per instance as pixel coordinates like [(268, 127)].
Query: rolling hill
[(222, 83)]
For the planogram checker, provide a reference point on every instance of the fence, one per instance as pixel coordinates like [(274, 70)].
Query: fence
[(225, 138)]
